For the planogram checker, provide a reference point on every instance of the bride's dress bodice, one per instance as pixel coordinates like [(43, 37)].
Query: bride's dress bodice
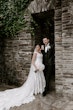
[(39, 58), (39, 61)]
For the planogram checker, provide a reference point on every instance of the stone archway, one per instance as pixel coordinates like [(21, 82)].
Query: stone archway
[(38, 6), (43, 14)]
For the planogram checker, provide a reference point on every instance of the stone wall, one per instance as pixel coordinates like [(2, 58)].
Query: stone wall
[(64, 47), (67, 44), (1, 60), (15, 56), (17, 53), (58, 47)]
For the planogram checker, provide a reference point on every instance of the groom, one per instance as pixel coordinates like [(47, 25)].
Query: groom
[(47, 51)]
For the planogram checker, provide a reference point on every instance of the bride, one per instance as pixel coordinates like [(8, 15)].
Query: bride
[(34, 85)]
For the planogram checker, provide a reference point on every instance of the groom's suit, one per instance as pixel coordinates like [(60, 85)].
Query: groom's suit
[(48, 60)]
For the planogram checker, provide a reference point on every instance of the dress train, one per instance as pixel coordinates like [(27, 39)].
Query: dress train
[(34, 84)]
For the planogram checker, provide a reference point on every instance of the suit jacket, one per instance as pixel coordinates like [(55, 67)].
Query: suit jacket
[(48, 57)]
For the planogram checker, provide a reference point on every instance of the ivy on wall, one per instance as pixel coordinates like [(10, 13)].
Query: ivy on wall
[(34, 26), (12, 16)]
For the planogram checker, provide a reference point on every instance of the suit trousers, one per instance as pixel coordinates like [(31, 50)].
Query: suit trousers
[(47, 74)]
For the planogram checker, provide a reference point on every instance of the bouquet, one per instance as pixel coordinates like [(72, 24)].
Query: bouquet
[(40, 67)]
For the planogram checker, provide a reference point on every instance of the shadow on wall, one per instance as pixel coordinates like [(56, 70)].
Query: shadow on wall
[(11, 77)]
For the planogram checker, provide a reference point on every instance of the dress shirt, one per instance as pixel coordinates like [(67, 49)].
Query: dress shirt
[(47, 47)]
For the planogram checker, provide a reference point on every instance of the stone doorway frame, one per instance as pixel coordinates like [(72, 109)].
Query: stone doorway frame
[(38, 39), (36, 7)]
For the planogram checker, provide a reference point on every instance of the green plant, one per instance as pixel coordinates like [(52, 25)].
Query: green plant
[(12, 16)]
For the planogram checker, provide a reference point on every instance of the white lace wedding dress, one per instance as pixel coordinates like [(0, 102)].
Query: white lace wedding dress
[(34, 84)]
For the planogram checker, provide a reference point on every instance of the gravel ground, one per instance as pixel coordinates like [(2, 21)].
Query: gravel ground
[(49, 102)]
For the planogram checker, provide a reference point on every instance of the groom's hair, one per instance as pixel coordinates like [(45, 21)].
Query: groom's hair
[(45, 37)]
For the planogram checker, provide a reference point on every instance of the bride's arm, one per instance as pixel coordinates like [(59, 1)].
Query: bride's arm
[(33, 60)]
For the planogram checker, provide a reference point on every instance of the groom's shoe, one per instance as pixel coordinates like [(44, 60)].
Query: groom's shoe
[(44, 93)]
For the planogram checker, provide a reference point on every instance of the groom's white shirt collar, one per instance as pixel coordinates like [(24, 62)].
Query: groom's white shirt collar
[(47, 47)]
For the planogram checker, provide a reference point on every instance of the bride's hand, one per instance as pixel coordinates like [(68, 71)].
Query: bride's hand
[(42, 47), (36, 70)]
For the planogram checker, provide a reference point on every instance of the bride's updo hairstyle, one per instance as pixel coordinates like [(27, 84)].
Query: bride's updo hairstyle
[(37, 47)]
